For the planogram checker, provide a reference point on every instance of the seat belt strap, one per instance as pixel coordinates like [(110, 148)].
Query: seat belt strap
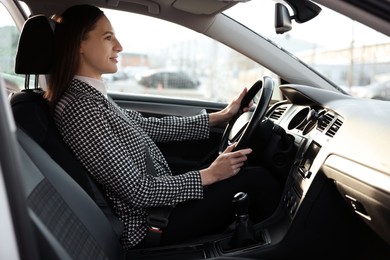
[(157, 218), (105, 206)]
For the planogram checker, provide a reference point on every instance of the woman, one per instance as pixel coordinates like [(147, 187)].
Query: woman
[(117, 146)]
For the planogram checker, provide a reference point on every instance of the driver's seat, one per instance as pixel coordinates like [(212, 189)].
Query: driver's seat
[(32, 115)]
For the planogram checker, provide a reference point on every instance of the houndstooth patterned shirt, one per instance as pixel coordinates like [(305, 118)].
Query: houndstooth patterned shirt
[(111, 143)]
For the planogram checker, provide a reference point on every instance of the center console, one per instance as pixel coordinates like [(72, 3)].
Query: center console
[(302, 175)]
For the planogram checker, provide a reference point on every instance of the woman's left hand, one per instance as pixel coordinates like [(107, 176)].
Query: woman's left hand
[(230, 110), (234, 105)]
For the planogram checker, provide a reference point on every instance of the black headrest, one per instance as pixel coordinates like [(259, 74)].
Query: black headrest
[(35, 47)]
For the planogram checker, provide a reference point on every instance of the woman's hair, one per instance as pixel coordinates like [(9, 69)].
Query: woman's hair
[(71, 28)]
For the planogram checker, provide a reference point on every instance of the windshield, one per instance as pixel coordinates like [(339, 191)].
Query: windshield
[(348, 53)]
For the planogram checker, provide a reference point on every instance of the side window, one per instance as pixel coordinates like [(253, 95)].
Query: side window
[(8, 45), (162, 58)]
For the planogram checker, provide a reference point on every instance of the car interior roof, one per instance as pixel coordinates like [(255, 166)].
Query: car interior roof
[(198, 7)]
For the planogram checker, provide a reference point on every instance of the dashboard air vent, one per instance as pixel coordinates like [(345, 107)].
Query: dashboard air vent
[(334, 128), (324, 122), (278, 112)]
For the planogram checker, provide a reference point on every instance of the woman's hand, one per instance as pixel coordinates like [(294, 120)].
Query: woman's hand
[(229, 111), (225, 166)]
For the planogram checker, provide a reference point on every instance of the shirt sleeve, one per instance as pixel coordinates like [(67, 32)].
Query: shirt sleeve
[(172, 128), (121, 170)]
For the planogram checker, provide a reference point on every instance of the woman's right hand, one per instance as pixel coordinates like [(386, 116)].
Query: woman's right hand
[(226, 165)]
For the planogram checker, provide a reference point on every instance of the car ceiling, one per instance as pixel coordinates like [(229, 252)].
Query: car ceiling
[(154, 7), (195, 14)]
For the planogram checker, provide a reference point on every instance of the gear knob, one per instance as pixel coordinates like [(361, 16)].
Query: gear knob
[(244, 233), (241, 203)]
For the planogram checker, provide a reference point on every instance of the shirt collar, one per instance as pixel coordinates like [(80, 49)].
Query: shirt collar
[(98, 84)]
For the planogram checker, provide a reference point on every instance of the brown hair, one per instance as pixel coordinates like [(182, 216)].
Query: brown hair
[(71, 28)]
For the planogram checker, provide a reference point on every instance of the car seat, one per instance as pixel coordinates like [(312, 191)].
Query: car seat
[(67, 222), (32, 114)]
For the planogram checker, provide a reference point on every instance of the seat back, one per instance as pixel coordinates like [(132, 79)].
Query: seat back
[(32, 112), (68, 223)]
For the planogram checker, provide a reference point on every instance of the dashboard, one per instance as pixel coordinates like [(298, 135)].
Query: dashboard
[(345, 139), (336, 186)]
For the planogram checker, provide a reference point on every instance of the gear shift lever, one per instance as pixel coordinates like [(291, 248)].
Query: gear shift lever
[(244, 233), (241, 203)]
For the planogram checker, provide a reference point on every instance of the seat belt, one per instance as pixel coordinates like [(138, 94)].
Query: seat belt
[(157, 218), (105, 206)]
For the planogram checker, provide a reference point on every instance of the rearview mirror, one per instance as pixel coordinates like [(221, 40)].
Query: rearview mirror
[(282, 19)]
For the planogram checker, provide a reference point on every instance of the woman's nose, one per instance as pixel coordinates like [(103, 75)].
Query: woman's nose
[(118, 46)]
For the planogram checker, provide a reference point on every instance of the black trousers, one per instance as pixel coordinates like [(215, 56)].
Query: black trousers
[(215, 212)]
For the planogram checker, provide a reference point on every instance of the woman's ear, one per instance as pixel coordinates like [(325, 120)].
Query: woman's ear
[(81, 48)]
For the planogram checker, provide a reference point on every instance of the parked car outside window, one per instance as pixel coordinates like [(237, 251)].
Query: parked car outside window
[(168, 79)]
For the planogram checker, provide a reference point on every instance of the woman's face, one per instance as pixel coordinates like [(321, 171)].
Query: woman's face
[(99, 51)]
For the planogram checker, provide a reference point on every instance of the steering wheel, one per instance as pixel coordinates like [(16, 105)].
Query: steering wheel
[(241, 127)]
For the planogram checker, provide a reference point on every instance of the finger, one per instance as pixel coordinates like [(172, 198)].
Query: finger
[(238, 165), (242, 152), (237, 168), (243, 93), (245, 90), (246, 109), (230, 147)]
